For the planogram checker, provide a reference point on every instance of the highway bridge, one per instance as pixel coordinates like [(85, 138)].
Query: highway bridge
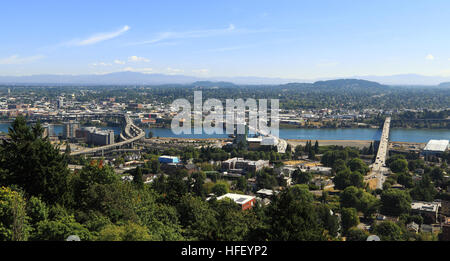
[(378, 171), (130, 134)]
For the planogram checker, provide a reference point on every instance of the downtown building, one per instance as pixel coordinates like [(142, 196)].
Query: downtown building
[(95, 136)]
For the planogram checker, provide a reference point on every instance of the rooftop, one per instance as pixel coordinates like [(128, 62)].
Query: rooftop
[(168, 157), (425, 206), (267, 192), (258, 139), (237, 198), (269, 141), (437, 145)]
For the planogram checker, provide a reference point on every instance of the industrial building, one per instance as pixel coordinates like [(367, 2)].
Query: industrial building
[(94, 136), (436, 147)]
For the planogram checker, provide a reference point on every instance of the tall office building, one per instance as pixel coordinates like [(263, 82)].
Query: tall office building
[(70, 129), (60, 102)]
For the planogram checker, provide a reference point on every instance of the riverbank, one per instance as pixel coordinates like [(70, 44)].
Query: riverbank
[(295, 142), (345, 143)]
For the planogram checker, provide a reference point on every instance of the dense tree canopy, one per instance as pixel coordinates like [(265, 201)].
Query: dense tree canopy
[(32, 163)]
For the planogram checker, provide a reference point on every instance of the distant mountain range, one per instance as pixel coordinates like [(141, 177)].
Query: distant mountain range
[(136, 78)]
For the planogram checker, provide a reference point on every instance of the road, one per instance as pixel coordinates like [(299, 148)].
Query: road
[(378, 168)]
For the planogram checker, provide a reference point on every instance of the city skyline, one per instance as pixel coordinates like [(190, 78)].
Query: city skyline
[(294, 40)]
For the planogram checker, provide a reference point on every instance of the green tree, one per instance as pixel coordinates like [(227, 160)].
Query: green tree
[(349, 218), (242, 184), (292, 216), (298, 151), (370, 151), (356, 234), (119, 161), (358, 165), (265, 180), (399, 165), (353, 197), (346, 178), (37, 210), (301, 177), (197, 186), (220, 188), (405, 179), (311, 154), (33, 163), (437, 174), (424, 189), (388, 231), (126, 232), (330, 222), (14, 222), (197, 218), (67, 152), (235, 224), (59, 228), (395, 202), (138, 178), (87, 180), (316, 147)]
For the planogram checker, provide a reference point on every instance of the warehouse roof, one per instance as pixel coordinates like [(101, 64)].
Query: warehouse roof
[(437, 145), (269, 141)]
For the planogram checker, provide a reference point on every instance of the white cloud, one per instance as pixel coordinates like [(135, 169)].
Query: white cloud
[(119, 62), (189, 34), (429, 57), (100, 37), (141, 70), (101, 64), (201, 71), (174, 71), (138, 59), (230, 48), (16, 59)]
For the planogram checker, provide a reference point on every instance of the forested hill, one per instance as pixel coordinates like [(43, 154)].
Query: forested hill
[(340, 84), (350, 84), (213, 84), (445, 85)]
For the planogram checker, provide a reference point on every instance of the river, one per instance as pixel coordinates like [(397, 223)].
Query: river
[(402, 135)]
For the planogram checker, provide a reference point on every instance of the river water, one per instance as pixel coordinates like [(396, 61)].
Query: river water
[(405, 135)]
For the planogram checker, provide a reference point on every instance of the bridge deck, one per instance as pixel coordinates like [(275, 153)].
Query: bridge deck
[(378, 167)]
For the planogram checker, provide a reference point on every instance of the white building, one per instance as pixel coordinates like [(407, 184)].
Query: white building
[(436, 147)]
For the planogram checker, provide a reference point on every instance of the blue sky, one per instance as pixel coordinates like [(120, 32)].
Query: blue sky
[(287, 39)]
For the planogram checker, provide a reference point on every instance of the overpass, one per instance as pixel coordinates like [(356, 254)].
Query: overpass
[(130, 134), (378, 168)]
